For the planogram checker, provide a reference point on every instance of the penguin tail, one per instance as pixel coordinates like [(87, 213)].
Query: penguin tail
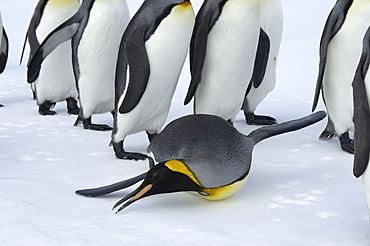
[(110, 188), (289, 126)]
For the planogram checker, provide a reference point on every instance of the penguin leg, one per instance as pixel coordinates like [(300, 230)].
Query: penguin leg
[(329, 131), (346, 143), (259, 120), (122, 154), (96, 127), (151, 136), (44, 109), (72, 106)]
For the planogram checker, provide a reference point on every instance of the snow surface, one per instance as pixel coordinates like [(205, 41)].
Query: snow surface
[(301, 191)]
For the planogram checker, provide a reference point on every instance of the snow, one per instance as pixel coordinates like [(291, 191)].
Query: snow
[(301, 191)]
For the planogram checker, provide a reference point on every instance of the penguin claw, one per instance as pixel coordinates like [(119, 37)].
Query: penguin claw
[(327, 135), (47, 112)]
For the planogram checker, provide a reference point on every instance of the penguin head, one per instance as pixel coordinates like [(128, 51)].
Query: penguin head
[(165, 177)]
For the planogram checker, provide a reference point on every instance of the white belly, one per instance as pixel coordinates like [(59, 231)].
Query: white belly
[(97, 55), (231, 49), (271, 14), (167, 50), (56, 81), (344, 53)]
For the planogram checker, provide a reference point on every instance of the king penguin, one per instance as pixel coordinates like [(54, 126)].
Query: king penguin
[(95, 32), (222, 53), (199, 153), (340, 51), (4, 48), (151, 56), (361, 97), (55, 82), (264, 73)]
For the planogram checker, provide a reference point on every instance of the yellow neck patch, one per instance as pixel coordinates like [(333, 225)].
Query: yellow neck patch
[(180, 167), (223, 192), (63, 3), (185, 4)]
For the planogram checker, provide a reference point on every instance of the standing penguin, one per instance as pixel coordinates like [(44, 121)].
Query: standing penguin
[(361, 96), (340, 51), (95, 32), (222, 53), (199, 153), (152, 53), (264, 74), (55, 82), (4, 47)]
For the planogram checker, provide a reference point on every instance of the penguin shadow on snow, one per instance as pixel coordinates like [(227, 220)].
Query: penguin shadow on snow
[(203, 154)]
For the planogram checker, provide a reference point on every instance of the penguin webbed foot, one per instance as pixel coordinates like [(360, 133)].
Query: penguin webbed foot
[(1, 105), (259, 120), (327, 135), (346, 143), (89, 126), (72, 106), (122, 154), (44, 109)]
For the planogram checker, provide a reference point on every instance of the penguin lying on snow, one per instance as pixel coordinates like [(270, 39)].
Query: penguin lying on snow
[(199, 153), (222, 53), (361, 96), (264, 73), (152, 52), (4, 47), (95, 31), (55, 82), (340, 51)]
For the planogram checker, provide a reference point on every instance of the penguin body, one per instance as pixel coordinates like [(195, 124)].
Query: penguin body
[(153, 50), (340, 50), (199, 153), (222, 54), (361, 96), (55, 82), (95, 32), (4, 47), (264, 74)]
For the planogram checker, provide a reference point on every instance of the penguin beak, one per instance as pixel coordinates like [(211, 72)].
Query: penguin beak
[(132, 197)]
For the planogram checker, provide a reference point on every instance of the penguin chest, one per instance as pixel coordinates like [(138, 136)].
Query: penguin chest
[(231, 49), (56, 82), (166, 49), (344, 52), (97, 55)]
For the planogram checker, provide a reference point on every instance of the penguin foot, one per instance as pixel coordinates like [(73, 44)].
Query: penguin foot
[(44, 109), (259, 120), (122, 154), (131, 156), (98, 127), (346, 143), (1, 105), (72, 106), (327, 135)]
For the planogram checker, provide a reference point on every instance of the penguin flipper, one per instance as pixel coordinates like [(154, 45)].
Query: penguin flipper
[(139, 69), (111, 188), (333, 24), (293, 125), (31, 31), (361, 112), (4, 49), (60, 35), (204, 22)]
